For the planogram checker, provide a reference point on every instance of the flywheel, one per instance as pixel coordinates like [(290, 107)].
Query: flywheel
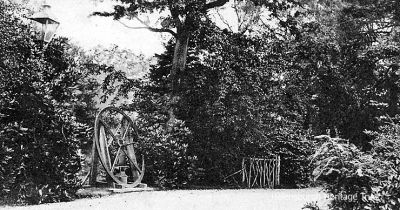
[(115, 140)]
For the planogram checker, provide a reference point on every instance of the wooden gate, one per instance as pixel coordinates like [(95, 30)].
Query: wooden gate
[(260, 172)]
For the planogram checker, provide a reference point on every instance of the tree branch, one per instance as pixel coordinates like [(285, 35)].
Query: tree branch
[(239, 19), (213, 4), (174, 14), (162, 30), (223, 20)]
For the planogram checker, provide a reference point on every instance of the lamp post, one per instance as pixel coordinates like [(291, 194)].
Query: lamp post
[(48, 22)]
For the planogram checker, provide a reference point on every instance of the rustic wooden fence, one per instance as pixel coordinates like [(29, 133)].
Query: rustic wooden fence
[(260, 172)]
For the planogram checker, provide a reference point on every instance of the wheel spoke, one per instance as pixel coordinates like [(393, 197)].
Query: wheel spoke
[(133, 162), (108, 153), (123, 137), (127, 144), (120, 125), (108, 130), (115, 159)]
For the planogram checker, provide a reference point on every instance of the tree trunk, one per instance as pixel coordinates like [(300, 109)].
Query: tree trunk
[(393, 91), (179, 60), (178, 65), (393, 99)]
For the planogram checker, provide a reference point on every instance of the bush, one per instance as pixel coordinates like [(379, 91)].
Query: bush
[(165, 151), (361, 180), (386, 150), (339, 165), (39, 160), (39, 132)]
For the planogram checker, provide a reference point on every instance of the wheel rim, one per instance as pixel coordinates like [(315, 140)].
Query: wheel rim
[(115, 138)]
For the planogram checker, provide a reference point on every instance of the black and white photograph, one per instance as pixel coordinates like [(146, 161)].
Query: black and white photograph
[(200, 104)]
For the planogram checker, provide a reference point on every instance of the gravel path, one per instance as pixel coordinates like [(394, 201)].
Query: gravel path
[(285, 199)]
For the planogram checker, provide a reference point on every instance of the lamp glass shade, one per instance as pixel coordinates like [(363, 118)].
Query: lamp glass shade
[(48, 22)]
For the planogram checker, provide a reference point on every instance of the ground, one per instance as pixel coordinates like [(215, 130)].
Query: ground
[(252, 199)]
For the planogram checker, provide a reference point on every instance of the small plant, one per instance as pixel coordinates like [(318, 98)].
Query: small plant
[(311, 206)]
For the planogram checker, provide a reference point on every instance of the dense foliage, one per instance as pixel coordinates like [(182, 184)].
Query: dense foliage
[(42, 113), (334, 73), (237, 99), (168, 164), (348, 52), (357, 80), (233, 92), (326, 68), (361, 180), (181, 19)]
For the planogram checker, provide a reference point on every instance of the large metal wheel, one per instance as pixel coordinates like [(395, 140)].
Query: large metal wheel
[(115, 139)]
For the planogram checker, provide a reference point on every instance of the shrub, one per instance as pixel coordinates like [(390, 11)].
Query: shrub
[(39, 132), (386, 150), (168, 164), (361, 180), (39, 159), (339, 165)]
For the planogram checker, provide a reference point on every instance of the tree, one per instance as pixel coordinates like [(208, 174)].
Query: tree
[(120, 67), (348, 53), (374, 34), (247, 16), (183, 19), (237, 99)]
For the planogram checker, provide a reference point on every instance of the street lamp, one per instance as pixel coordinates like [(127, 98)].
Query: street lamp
[(48, 22)]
